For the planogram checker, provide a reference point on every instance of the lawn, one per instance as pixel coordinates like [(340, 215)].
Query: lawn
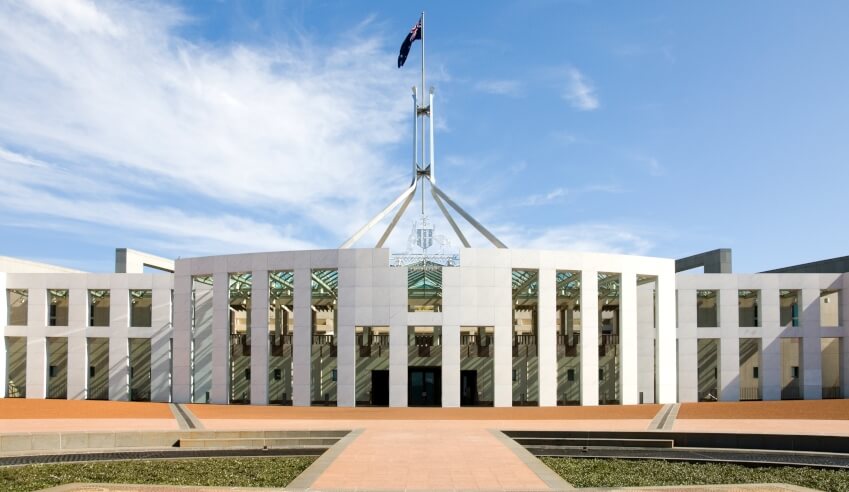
[(232, 472), (585, 472)]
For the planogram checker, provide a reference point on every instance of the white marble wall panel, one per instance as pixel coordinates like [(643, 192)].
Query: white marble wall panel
[(666, 354), (811, 363), (589, 338), (645, 343), (181, 379), (547, 332), (628, 340), (302, 336), (729, 345), (220, 391), (259, 334), (769, 374), (688, 334), (503, 336), (346, 389)]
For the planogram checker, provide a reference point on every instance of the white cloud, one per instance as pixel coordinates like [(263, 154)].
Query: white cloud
[(111, 92), (559, 194), (500, 87), (580, 92), (590, 237)]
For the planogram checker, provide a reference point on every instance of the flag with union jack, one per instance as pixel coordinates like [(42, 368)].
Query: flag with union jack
[(415, 33)]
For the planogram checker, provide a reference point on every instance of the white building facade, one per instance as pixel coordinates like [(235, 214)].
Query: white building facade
[(353, 327)]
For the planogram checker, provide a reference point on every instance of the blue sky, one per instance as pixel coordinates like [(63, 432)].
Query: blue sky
[(193, 128)]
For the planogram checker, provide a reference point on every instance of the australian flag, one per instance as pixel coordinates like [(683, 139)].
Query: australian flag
[(415, 33)]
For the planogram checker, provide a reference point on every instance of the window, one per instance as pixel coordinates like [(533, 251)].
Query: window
[(278, 374), (747, 304), (794, 372), (789, 306), (141, 302), (57, 311), (91, 371), (601, 374), (707, 308), (570, 375), (98, 303), (248, 374), (333, 375), (515, 375), (52, 371), (16, 304), (755, 372)]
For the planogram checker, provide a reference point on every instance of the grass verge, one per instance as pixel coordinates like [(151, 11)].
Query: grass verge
[(586, 472), (221, 472)]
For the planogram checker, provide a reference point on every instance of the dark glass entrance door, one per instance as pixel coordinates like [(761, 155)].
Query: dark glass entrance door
[(468, 388), (380, 388), (425, 387)]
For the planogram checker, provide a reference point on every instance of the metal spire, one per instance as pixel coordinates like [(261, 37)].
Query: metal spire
[(423, 171)]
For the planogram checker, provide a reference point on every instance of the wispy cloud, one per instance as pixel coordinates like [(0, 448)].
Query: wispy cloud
[(293, 135), (652, 165), (500, 87), (579, 91), (589, 237), (560, 194)]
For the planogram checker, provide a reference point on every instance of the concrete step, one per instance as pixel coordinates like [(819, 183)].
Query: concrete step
[(268, 434), (259, 443), (580, 442)]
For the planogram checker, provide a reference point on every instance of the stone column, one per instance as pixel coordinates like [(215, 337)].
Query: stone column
[(628, 367), (346, 338), (119, 345), (688, 346), (450, 365), (302, 339), (220, 391), (769, 374), (259, 337), (729, 345), (667, 372), (503, 339), (77, 344), (547, 333), (589, 338), (811, 363), (181, 379)]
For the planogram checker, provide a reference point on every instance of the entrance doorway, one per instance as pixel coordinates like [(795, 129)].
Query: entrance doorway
[(468, 388), (380, 388), (425, 387)]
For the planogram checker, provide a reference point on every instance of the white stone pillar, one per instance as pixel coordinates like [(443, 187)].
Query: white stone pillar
[(167, 368), (302, 338), (36, 363), (220, 391), (77, 343), (36, 367), (688, 346), (547, 333), (181, 379), (259, 337), (77, 364), (729, 345), (769, 374), (628, 367), (646, 341), (119, 345), (811, 345), (346, 361), (667, 377), (502, 367), (450, 366), (589, 338)]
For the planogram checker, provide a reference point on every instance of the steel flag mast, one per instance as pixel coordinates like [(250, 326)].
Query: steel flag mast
[(423, 165)]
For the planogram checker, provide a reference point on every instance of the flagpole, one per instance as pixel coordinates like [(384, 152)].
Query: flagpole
[(424, 162)]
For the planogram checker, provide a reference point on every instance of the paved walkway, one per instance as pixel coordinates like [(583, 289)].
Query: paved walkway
[(430, 449)]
